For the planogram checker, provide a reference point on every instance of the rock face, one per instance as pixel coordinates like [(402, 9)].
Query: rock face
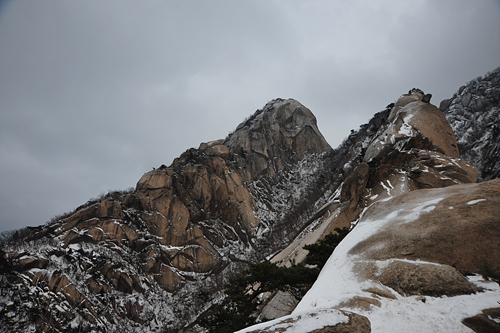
[(457, 215), (155, 257), (270, 139), (415, 149), (280, 305), (412, 118), (473, 113), (487, 321)]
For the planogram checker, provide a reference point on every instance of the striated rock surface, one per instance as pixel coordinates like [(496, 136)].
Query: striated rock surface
[(270, 139)]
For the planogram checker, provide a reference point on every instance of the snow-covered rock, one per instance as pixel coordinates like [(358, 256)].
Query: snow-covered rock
[(474, 114), (415, 149)]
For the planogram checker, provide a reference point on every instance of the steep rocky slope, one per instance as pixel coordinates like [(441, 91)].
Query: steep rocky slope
[(474, 113), (156, 257), (413, 148)]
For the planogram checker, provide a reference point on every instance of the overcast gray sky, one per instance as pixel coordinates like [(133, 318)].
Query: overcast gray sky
[(95, 93)]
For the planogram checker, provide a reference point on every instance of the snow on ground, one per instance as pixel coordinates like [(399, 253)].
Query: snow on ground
[(338, 283), (302, 322), (404, 314), (437, 314)]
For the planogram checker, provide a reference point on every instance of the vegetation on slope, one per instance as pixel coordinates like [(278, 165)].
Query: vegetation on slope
[(243, 294)]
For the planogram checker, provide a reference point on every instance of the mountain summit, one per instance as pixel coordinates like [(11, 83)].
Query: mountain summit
[(154, 252), (157, 257)]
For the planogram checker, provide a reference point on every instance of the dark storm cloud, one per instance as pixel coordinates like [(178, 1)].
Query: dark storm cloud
[(95, 93)]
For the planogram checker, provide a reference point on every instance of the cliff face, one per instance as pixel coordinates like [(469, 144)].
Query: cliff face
[(226, 180), (282, 132), (414, 149)]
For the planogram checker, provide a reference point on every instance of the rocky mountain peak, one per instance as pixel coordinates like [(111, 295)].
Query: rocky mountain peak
[(214, 181), (416, 122), (414, 148), (182, 232), (283, 131)]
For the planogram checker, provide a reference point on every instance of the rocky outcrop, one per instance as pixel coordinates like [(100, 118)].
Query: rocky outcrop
[(416, 149), (458, 215), (280, 305), (270, 139), (473, 113), (412, 118), (485, 322), (356, 324), (417, 278)]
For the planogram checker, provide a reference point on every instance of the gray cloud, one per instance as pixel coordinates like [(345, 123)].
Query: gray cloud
[(95, 93)]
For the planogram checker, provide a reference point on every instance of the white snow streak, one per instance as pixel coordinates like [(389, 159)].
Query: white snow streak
[(473, 202)]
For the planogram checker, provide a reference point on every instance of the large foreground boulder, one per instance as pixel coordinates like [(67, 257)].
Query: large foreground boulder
[(423, 261)]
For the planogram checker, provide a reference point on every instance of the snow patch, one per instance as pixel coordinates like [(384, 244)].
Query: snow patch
[(302, 322), (406, 130), (74, 247), (473, 202), (437, 314)]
